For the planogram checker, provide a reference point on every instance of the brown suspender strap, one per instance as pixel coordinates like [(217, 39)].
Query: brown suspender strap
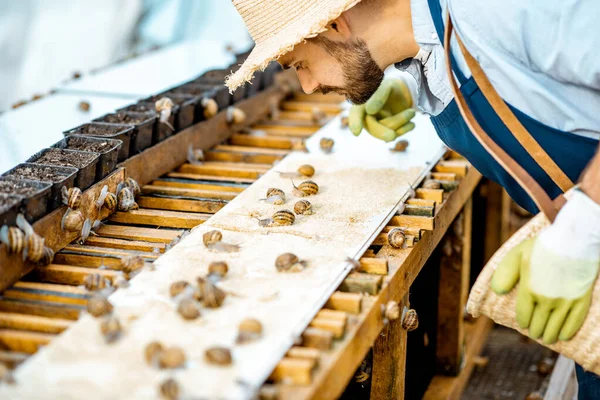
[(531, 187)]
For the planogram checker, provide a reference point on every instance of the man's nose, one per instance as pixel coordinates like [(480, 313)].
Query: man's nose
[(309, 85)]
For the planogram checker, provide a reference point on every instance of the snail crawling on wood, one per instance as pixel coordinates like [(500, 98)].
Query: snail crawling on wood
[(131, 264), (279, 218), (303, 170), (213, 240), (410, 319), (235, 116), (13, 238), (249, 330), (303, 207), (72, 221), (164, 107), (275, 196), (106, 199), (34, 243), (211, 108), (218, 356), (195, 156), (71, 197), (396, 238), (94, 282), (289, 262), (125, 198), (133, 186), (326, 145), (306, 188)]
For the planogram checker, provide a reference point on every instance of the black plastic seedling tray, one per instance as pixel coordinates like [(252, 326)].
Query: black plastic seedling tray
[(221, 94), (86, 163), (57, 176), (221, 97), (107, 148), (183, 111), (10, 207), (36, 195), (106, 131), (217, 77), (160, 131), (143, 124)]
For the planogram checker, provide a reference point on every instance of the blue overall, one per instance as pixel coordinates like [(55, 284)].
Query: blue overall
[(569, 151)]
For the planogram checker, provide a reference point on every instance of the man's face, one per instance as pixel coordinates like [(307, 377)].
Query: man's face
[(346, 68)]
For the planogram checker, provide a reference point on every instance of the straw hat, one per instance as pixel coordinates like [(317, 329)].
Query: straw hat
[(278, 25)]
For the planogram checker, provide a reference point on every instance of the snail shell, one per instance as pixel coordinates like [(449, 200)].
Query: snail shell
[(152, 353), (34, 251), (95, 282), (84, 106), (299, 145), (169, 389), (134, 206), (111, 329), (172, 357), (400, 146), (178, 287), (164, 104), (326, 144), (289, 262), (392, 310), (306, 188), (235, 115), (212, 237), (110, 202), (212, 296), (306, 170), (133, 186), (275, 196), (211, 108), (218, 356), (248, 330), (131, 264), (396, 238), (218, 268), (98, 306), (47, 256), (410, 322), (72, 221), (344, 121), (71, 197), (303, 207), (188, 309), (431, 184), (13, 238), (125, 198), (283, 218)]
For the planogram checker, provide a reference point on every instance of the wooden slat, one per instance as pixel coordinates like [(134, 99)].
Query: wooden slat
[(63, 294), (307, 353), (232, 171), (81, 260), (332, 314), (185, 192), (25, 342), (293, 371), (318, 97), (317, 338), (335, 326), (12, 358), (412, 221), (70, 275), (250, 150), (436, 195), (241, 157), (443, 176), (43, 309), (200, 206), (164, 218), (271, 142), (117, 247), (357, 282), (458, 167), (377, 266), (349, 302), (200, 186), (419, 210), (33, 323), (135, 233), (209, 178), (309, 106)]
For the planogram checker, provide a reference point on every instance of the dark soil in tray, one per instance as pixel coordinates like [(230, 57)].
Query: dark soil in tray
[(70, 159), (178, 98), (40, 173), (99, 130), (141, 107), (77, 143), (7, 201), (194, 90), (18, 188), (123, 118)]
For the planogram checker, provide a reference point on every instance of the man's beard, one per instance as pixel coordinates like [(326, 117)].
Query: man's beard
[(362, 75)]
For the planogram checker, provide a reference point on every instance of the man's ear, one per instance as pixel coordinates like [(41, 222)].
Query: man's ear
[(338, 29)]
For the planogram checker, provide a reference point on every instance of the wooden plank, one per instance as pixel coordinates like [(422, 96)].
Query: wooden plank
[(242, 170), (287, 131), (332, 314), (349, 302), (436, 195), (87, 261), (12, 358), (412, 221), (458, 167), (250, 150), (32, 323), (421, 202), (22, 341), (245, 157), (271, 142), (41, 308), (317, 338), (104, 245), (295, 371), (292, 116), (443, 176), (199, 206), (318, 97), (306, 353), (335, 326), (419, 210), (185, 192), (357, 282), (210, 178), (70, 275), (327, 108), (377, 266), (135, 233), (62, 294), (201, 186), (163, 218)]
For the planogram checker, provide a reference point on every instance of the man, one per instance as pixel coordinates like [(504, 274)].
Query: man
[(542, 58)]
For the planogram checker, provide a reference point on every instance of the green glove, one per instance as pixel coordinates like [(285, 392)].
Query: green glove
[(557, 271), (389, 109)]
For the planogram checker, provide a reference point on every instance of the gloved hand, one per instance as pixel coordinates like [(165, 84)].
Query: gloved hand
[(387, 114), (557, 270)]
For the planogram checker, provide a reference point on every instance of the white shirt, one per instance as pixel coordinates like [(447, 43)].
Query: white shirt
[(542, 56)]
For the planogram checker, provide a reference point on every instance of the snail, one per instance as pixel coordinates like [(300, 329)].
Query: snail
[(431, 184), (318, 116), (34, 243), (211, 108), (110, 329), (86, 229), (125, 198), (344, 121), (289, 262), (392, 310), (299, 145), (410, 320), (396, 238), (213, 240), (84, 106), (101, 198), (306, 188), (110, 202), (71, 197), (47, 256), (152, 353), (303, 207), (134, 206), (172, 357), (195, 156), (94, 282), (188, 309), (133, 186), (279, 218), (248, 330), (326, 145), (131, 264), (217, 270), (275, 196), (303, 170), (218, 356), (98, 306), (164, 107), (400, 146), (178, 287), (212, 296), (235, 116), (13, 238), (72, 221), (169, 389)]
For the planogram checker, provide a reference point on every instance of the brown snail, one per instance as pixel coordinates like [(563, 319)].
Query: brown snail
[(169, 389), (111, 329), (275, 196), (95, 282), (34, 243), (248, 330), (133, 186), (72, 221), (84, 106), (218, 356), (306, 188), (289, 262), (110, 202), (131, 264), (213, 240), (410, 320), (71, 197), (47, 256), (279, 218), (344, 121), (178, 287), (152, 353), (195, 156), (101, 198), (210, 106), (13, 238), (164, 107), (431, 184), (218, 269), (303, 170), (400, 146), (326, 144), (172, 357), (188, 309), (98, 306), (125, 198), (396, 238), (212, 296), (235, 116), (303, 207)]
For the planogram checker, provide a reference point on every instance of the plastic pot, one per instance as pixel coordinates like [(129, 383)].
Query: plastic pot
[(85, 163), (36, 195), (107, 148), (10, 207), (202, 92), (216, 77), (143, 127), (106, 131), (184, 108), (160, 131)]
